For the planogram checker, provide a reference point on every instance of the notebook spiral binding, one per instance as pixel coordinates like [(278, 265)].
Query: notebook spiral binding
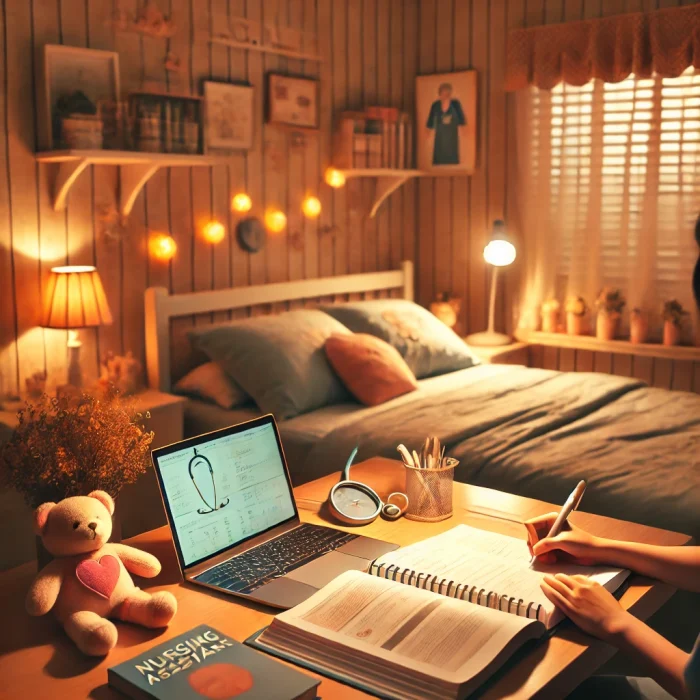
[(472, 594)]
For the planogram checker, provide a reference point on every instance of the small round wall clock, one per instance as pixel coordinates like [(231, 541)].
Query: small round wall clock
[(251, 234)]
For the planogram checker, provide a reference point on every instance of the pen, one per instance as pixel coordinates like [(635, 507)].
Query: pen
[(572, 503)]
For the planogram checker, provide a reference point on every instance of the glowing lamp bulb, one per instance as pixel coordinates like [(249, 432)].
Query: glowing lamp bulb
[(499, 253), (162, 246), (311, 207), (214, 232), (334, 177), (241, 202), (275, 221)]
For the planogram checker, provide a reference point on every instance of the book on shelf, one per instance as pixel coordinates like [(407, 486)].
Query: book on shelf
[(207, 663), (431, 620)]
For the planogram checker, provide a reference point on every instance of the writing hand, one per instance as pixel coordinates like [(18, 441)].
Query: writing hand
[(572, 544)]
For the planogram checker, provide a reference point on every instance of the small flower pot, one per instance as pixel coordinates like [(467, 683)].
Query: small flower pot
[(639, 328), (672, 333), (575, 324), (550, 321), (606, 326)]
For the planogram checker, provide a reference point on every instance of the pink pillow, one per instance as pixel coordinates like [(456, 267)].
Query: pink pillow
[(370, 368)]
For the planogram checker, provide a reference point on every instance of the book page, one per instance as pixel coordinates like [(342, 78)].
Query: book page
[(438, 636), (475, 561)]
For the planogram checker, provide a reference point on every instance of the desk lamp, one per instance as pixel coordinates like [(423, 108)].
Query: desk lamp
[(75, 299), (499, 252)]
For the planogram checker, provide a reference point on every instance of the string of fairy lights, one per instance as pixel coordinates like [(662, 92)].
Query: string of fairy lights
[(162, 246)]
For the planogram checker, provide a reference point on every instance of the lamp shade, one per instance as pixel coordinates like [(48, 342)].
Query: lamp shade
[(499, 251), (75, 298)]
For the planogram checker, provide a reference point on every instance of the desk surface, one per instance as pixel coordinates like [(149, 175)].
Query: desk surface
[(37, 659)]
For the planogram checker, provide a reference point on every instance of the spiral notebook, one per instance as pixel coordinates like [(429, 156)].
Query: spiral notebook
[(432, 620)]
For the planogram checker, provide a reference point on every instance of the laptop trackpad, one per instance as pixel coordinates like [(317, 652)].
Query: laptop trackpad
[(321, 571), (283, 593)]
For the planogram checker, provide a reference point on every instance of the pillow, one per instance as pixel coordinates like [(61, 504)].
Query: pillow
[(426, 343), (278, 360), (210, 383), (371, 369)]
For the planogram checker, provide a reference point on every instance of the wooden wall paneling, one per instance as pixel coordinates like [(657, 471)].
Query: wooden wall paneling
[(696, 377), (535, 356), (567, 360), (158, 221), (461, 184), (425, 262), (370, 68), (622, 365), (643, 368), (584, 361), (396, 82), (550, 358), (682, 379), (602, 362), (663, 373)]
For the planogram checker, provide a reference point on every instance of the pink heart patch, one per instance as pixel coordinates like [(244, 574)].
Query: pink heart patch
[(100, 576)]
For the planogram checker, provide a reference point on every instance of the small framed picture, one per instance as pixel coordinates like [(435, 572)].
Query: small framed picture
[(446, 122), (292, 101), (228, 116), (76, 81)]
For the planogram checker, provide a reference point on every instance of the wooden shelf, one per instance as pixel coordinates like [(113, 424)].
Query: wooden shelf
[(625, 347), (135, 169), (388, 181), (248, 46)]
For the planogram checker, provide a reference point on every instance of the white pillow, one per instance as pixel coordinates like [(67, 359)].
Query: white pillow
[(210, 383)]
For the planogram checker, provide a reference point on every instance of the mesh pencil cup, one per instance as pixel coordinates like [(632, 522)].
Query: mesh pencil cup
[(429, 492)]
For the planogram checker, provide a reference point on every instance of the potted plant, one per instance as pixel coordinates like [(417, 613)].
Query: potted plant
[(639, 325), (609, 303), (576, 310), (550, 315), (71, 446), (673, 313)]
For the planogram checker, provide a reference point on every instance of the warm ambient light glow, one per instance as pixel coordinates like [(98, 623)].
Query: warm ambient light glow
[(499, 253), (241, 202), (275, 221), (334, 177), (75, 298), (214, 232), (311, 207), (162, 246)]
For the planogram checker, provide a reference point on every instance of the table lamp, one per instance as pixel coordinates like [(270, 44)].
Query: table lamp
[(75, 299), (499, 252)]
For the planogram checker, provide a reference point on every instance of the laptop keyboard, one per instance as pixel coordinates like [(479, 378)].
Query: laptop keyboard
[(260, 565)]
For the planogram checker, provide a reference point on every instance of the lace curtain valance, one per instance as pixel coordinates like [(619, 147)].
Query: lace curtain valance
[(665, 42)]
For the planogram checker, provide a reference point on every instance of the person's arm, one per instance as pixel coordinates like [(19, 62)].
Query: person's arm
[(461, 119), (594, 609)]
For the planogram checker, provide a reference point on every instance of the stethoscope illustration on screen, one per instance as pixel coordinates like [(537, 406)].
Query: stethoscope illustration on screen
[(194, 462)]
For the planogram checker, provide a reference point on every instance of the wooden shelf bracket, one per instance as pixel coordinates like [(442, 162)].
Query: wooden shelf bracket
[(132, 179), (68, 172), (388, 180)]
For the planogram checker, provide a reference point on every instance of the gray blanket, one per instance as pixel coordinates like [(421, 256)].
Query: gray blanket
[(536, 432)]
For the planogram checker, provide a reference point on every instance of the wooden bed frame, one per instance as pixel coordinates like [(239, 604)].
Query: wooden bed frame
[(161, 306)]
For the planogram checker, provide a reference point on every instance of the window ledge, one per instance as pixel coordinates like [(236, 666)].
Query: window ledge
[(590, 342)]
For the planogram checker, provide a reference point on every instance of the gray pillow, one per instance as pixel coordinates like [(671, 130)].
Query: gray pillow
[(426, 343), (278, 360)]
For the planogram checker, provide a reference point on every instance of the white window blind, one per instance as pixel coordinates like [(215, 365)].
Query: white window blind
[(624, 164)]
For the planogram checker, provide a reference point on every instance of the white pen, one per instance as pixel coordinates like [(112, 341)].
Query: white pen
[(572, 503)]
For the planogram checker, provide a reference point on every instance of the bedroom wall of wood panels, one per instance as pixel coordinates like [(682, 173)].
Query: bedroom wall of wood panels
[(370, 51)]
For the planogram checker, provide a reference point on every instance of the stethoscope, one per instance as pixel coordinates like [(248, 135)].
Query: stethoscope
[(193, 463)]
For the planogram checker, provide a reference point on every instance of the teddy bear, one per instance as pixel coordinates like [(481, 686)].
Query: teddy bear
[(89, 581)]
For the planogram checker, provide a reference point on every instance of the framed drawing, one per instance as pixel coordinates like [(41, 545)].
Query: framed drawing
[(292, 101), (228, 120), (76, 80), (446, 122)]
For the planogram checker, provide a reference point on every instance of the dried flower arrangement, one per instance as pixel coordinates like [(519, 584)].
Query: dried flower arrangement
[(674, 312), (576, 306), (610, 301), (68, 447)]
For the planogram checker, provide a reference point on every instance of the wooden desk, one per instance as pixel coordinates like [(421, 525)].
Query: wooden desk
[(38, 661)]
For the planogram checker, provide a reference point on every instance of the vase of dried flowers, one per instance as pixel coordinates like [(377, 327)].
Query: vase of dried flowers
[(576, 310), (674, 314), (609, 303), (639, 326), (69, 446), (550, 316)]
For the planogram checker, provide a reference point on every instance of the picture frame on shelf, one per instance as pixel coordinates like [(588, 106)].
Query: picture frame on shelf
[(76, 80), (293, 101), (446, 122), (228, 116)]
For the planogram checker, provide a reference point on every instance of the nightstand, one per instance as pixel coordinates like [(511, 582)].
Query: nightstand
[(514, 354)]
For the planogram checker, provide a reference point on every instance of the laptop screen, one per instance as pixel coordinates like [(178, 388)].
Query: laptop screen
[(223, 488)]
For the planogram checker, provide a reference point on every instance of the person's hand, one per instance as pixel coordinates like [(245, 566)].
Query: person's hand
[(571, 545), (590, 606)]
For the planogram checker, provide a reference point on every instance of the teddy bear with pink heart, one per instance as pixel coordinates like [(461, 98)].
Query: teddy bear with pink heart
[(88, 581)]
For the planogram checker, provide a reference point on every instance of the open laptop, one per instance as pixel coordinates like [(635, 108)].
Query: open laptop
[(229, 501)]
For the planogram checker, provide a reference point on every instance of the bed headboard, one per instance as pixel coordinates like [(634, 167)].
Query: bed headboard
[(162, 307)]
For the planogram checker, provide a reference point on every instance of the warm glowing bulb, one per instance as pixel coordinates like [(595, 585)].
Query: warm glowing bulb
[(334, 177), (214, 232), (162, 246), (275, 221), (311, 206), (499, 253), (241, 202)]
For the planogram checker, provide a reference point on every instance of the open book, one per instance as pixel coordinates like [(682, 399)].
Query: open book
[(427, 621)]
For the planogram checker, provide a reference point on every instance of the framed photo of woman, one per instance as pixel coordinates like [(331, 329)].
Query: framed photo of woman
[(446, 122)]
